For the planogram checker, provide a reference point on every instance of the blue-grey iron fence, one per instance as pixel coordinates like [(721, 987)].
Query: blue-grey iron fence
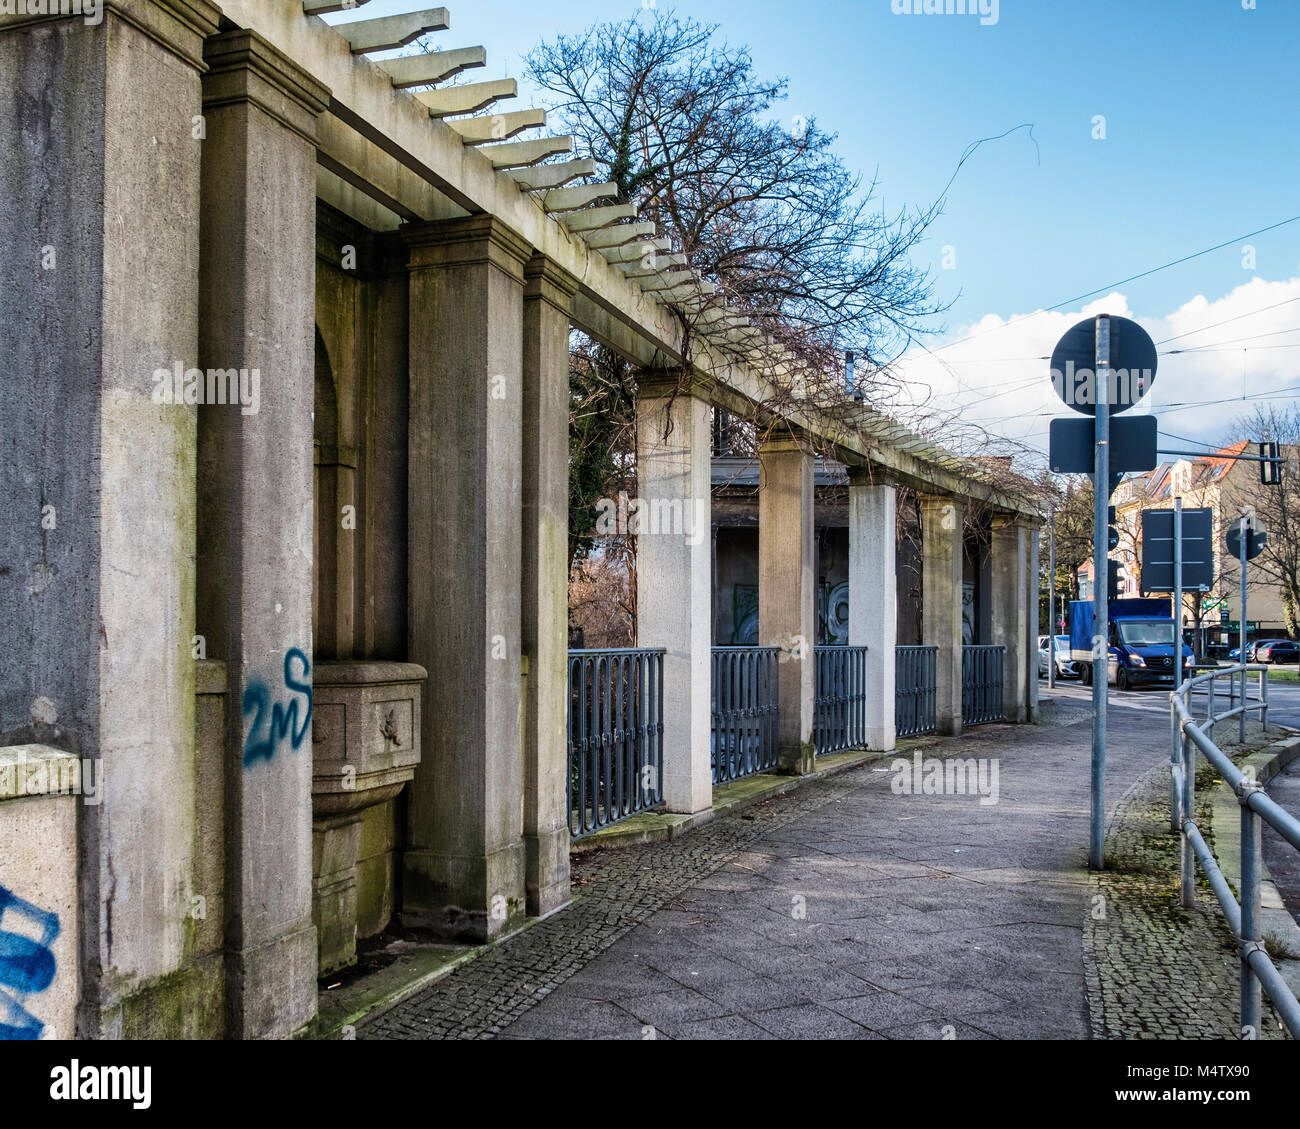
[(914, 690), (981, 685), (1257, 970), (616, 736), (745, 707), (840, 703)]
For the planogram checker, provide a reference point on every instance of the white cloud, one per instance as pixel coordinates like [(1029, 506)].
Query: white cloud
[(994, 377)]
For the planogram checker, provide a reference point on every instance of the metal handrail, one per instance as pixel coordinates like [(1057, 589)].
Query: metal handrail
[(1257, 970)]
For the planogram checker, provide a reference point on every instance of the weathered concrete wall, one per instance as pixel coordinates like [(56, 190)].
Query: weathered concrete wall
[(40, 978), (100, 187)]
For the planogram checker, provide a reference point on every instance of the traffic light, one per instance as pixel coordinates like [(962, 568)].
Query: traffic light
[(1114, 573), (1270, 467), (1112, 534)]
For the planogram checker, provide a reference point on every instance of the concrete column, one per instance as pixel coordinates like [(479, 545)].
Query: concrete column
[(674, 577), (548, 292), (255, 468), (873, 598), (1030, 653), (941, 552), (99, 194), (1010, 586), (787, 588), (464, 863)]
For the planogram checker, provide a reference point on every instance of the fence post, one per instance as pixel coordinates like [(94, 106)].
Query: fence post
[(1250, 849), (1188, 858)]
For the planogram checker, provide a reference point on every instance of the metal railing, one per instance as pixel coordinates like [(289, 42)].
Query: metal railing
[(1187, 737), (981, 685), (840, 701), (616, 736), (745, 705), (915, 674)]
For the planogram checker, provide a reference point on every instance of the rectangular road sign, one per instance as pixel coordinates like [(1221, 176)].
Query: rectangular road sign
[(1158, 550), (1132, 444)]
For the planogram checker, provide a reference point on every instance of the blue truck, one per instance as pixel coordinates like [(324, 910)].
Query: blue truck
[(1141, 642)]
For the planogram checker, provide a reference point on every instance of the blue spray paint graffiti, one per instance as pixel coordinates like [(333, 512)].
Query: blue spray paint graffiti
[(26, 966), (282, 721)]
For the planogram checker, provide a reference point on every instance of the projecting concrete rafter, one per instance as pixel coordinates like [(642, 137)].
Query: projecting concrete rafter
[(619, 234), (521, 154), (468, 98), (435, 67), (635, 252), (593, 219), (569, 199), (554, 175), (497, 127), (387, 32), (637, 269)]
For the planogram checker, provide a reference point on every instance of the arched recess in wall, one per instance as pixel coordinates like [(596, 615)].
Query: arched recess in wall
[(335, 514)]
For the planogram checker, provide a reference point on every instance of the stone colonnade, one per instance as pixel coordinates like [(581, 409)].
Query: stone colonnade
[(160, 545)]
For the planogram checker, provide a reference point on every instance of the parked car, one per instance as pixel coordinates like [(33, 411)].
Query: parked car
[(1277, 651), (1066, 667)]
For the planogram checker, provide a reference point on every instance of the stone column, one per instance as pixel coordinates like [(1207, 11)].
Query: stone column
[(255, 468), (674, 577), (1030, 653), (464, 863), (873, 598), (99, 197), (548, 293), (787, 588), (941, 551), (1010, 584)]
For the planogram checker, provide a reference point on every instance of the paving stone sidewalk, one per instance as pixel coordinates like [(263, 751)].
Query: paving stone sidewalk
[(838, 910), (1156, 970)]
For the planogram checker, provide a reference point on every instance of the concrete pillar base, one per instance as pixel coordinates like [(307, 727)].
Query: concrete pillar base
[(546, 881), (434, 883), (796, 760), (272, 987)]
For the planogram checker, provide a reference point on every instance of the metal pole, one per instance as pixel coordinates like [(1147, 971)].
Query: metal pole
[(1178, 593), (1101, 577), (1051, 599), (1250, 847), (1241, 730), (1175, 752), (1188, 856)]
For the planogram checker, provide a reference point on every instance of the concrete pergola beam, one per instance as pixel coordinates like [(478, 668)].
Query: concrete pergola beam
[(619, 234), (435, 67), (522, 154), (570, 199), (634, 268), (593, 219), (552, 176), (468, 98), (635, 252), (387, 32), (497, 127), (654, 283)]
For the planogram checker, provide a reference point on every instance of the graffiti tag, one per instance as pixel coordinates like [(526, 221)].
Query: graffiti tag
[(273, 723), (27, 966)]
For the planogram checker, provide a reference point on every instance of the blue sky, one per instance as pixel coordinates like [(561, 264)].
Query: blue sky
[(1200, 107)]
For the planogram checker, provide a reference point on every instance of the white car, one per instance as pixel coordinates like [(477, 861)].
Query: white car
[(1066, 667)]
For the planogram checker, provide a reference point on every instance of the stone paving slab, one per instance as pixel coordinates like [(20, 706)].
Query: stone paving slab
[(842, 909)]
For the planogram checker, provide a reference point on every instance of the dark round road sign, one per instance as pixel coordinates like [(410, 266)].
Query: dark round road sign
[(1132, 365), (1256, 538)]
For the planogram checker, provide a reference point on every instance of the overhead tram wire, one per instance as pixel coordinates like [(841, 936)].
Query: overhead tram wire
[(1122, 282)]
